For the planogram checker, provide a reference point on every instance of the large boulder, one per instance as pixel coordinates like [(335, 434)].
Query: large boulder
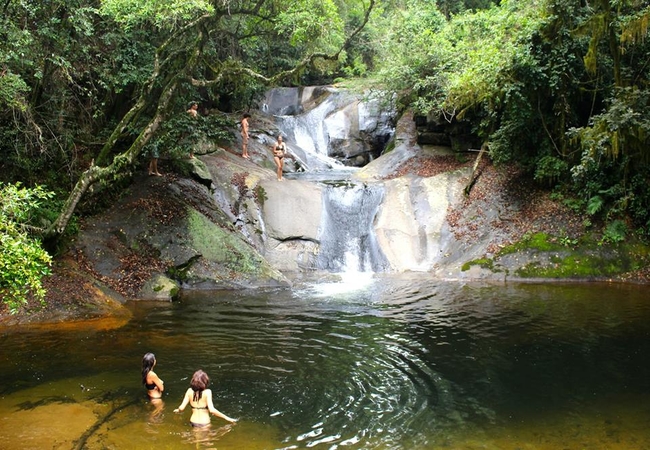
[(292, 216), (409, 226), (173, 227)]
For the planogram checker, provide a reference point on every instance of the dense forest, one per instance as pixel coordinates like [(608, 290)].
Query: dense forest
[(558, 87)]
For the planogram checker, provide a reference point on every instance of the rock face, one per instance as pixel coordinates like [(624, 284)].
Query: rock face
[(172, 233), (411, 220), (292, 215), (324, 122), (411, 225), (234, 225)]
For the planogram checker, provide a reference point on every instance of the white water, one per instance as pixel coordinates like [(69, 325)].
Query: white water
[(307, 135), (348, 242)]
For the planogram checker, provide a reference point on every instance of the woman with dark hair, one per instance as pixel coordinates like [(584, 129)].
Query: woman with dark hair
[(154, 385), (279, 150), (199, 398)]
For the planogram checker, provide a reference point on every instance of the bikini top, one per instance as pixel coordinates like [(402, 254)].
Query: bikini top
[(150, 387)]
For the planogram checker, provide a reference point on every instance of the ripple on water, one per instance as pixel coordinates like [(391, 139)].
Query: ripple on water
[(388, 363)]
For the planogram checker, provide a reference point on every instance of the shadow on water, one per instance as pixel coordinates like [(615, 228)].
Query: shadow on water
[(365, 362)]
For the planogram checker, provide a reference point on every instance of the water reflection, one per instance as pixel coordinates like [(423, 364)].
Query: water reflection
[(376, 362)]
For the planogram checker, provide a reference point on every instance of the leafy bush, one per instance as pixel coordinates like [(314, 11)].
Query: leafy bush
[(594, 205), (24, 262), (550, 170), (615, 232), (181, 132)]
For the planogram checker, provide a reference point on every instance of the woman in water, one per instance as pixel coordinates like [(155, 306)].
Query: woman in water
[(199, 398), (151, 381)]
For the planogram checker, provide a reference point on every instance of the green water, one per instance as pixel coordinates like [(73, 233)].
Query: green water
[(381, 362)]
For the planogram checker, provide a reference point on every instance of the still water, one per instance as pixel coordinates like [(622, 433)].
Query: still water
[(379, 362)]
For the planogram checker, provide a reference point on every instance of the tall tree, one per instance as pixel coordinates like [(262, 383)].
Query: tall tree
[(194, 54)]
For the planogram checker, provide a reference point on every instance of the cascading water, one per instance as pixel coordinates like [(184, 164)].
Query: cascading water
[(307, 134), (348, 241), (309, 119)]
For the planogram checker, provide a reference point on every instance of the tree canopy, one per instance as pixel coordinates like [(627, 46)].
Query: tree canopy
[(557, 86)]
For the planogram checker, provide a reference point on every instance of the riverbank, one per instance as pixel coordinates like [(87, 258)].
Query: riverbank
[(514, 214), (72, 295)]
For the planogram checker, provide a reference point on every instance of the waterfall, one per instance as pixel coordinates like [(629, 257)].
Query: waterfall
[(308, 133), (316, 122), (348, 241)]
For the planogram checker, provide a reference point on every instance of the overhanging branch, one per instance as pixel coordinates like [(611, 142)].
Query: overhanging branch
[(306, 61)]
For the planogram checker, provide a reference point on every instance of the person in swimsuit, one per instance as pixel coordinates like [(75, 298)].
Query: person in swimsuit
[(153, 162), (199, 397), (244, 135), (151, 381), (279, 150), (193, 112)]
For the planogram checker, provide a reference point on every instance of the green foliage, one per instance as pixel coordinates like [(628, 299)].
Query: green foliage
[(12, 91), (622, 128), (615, 232), (566, 257), (485, 263), (181, 132), (463, 68), (68, 75), (536, 241), (161, 13), (24, 262), (259, 194), (311, 22), (614, 146), (357, 68), (567, 241), (581, 265), (130, 63), (414, 58), (550, 169), (595, 205), (455, 7)]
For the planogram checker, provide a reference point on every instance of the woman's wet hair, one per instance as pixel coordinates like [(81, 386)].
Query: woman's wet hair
[(199, 383), (148, 361)]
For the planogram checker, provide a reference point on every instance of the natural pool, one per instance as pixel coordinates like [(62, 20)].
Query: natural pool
[(376, 362)]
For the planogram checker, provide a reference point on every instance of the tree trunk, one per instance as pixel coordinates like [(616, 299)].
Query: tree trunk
[(475, 172), (120, 165)]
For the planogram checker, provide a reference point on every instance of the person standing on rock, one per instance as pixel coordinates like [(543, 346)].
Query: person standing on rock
[(153, 161), (279, 150), (193, 112), (244, 135)]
